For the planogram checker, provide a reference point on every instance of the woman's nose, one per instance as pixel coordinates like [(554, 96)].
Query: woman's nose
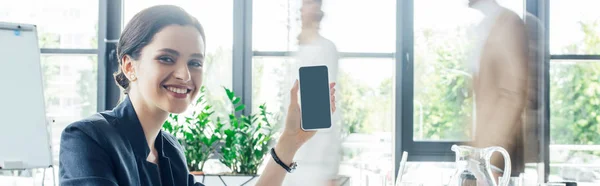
[(182, 73)]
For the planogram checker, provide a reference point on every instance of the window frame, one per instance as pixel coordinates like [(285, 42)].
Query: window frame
[(110, 21), (109, 31)]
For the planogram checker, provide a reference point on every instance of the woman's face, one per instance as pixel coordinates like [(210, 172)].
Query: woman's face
[(169, 69)]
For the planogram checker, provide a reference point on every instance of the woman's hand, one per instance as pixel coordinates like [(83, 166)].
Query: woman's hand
[(293, 134), (290, 141)]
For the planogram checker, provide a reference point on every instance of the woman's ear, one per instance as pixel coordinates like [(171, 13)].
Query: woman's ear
[(127, 67)]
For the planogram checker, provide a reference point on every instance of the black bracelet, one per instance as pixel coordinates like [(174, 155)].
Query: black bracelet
[(289, 168)]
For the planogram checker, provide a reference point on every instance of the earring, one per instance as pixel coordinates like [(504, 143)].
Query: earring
[(133, 77)]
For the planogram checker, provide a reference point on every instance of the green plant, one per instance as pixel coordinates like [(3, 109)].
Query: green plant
[(198, 135), (246, 138)]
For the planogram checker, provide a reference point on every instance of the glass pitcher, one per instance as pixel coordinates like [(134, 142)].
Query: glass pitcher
[(473, 167)]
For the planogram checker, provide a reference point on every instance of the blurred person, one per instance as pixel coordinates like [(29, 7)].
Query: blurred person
[(161, 57), (500, 76), (320, 156)]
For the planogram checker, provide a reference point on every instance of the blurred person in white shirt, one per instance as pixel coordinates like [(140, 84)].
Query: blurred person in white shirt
[(318, 160)]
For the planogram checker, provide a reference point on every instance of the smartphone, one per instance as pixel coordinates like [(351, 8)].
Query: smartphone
[(315, 102)]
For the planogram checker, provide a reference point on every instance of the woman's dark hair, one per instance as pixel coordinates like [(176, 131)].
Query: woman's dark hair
[(142, 28)]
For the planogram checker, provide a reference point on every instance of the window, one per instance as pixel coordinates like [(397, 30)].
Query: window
[(70, 92), (440, 110), (443, 105), (71, 24), (574, 71), (367, 103), (367, 95), (574, 103), (269, 86), (216, 16)]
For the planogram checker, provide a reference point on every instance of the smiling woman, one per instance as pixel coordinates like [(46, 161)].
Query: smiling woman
[(170, 61), (217, 22), (161, 54), (160, 57)]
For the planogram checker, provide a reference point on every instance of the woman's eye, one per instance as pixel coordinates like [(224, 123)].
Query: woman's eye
[(166, 59), (196, 64)]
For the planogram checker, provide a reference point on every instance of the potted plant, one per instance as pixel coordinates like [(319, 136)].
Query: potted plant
[(198, 135), (241, 142), (246, 138), (245, 143)]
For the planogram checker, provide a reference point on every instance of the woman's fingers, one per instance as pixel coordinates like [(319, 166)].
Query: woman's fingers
[(333, 107), (332, 96), (332, 88), (294, 92)]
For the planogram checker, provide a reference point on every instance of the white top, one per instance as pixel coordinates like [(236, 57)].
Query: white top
[(318, 159)]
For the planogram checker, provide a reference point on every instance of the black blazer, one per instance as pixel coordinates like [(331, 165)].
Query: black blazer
[(109, 148)]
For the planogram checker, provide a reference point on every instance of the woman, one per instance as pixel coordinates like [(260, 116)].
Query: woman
[(161, 53)]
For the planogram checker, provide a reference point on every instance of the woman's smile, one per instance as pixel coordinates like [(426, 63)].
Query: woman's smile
[(179, 91)]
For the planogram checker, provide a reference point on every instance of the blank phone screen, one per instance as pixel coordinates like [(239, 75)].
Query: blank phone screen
[(314, 98)]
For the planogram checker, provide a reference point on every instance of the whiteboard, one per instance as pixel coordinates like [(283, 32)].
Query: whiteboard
[(24, 137)]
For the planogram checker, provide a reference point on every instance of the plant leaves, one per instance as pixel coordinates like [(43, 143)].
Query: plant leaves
[(230, 93), (240, 107), (236, 100), (189, 136), (240, 142)]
